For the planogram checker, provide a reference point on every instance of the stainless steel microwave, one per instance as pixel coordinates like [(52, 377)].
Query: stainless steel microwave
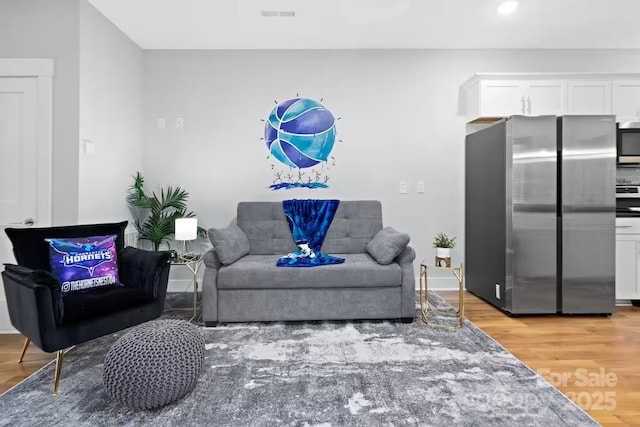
[(628, 142)]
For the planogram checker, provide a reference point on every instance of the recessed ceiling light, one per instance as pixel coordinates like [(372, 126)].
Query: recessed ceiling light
[(507, 7)]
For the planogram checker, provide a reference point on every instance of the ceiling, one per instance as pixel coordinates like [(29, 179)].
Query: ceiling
[(370, 24)]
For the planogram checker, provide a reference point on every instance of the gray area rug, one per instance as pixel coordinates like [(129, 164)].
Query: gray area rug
[(369, 373)]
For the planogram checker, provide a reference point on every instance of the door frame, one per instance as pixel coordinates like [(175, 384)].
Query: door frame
[(42, 70)]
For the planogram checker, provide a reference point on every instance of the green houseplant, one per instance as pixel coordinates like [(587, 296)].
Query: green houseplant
[(155, 215), (443, 245), (443, 241)]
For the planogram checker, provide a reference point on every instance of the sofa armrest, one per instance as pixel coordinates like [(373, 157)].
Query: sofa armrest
[(210, 288), (406, 256), (408, 292), (31, 308), (211, 259), (147, 271)]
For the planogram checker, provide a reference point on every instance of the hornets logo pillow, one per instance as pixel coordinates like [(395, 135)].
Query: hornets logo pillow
[(84, 263)]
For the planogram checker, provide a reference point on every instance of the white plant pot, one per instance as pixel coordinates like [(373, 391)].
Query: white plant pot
[(443, 252)]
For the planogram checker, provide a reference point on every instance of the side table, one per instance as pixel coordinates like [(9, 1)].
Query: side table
[(427, 309), (193, 263)]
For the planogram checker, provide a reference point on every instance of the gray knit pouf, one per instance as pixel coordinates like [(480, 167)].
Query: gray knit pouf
[(155, 364)]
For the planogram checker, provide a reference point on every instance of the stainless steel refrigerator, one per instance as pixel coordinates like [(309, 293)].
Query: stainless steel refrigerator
[(540, 214)]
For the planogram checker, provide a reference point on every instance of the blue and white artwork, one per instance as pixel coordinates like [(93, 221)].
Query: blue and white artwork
[(300, 134)]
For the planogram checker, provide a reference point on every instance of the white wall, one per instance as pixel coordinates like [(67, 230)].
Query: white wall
[(49, 29), (110, 147), (400, 122)]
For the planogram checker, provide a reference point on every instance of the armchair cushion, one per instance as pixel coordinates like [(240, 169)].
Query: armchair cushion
[(230, 243), (28, 276), (387, 244), (31, 250), (84, 263), (83, 305)]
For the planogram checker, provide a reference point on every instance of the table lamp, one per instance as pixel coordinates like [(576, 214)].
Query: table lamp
[(186, 229)]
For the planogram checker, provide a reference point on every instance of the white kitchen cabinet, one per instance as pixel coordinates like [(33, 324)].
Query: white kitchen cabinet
[(587, 96), (628, 258), (487, 96), (501, 98), (626, 100), (627, 247)]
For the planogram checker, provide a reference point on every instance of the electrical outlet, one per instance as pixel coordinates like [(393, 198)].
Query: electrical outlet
[(420, 187), (497, 291), (403, 187)]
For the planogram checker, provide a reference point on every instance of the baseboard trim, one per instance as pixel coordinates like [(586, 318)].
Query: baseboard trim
[(5, 322)]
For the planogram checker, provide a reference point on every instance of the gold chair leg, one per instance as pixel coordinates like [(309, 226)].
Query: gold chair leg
[(24, 349), (58, 368)]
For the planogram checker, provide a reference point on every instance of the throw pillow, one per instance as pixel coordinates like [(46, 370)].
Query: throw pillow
[(84, 263), (387, 244), (230, 243)]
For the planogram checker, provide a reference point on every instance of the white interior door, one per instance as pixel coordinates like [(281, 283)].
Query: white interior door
[(25, 152), (18, 168)]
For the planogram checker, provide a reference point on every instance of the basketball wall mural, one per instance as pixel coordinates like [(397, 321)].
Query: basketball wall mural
[(300, 134)]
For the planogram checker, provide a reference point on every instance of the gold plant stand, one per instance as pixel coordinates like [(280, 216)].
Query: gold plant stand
[(428, 310)]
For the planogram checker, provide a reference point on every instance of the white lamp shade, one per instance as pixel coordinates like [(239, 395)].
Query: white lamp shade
[(186, 228)]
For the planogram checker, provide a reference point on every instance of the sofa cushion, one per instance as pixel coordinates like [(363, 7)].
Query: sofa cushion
[(266, 227), (230, 243), (387, 244), (261, 272)]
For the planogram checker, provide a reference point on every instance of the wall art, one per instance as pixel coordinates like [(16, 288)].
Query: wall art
[(300, 134)]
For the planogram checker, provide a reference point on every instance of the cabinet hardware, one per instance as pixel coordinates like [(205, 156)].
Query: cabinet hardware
[(529, 105)]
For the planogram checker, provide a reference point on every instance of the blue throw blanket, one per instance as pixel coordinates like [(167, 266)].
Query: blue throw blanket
[(309, 221)]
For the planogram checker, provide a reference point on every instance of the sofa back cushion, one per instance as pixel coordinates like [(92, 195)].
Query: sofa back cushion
[(354, 225)]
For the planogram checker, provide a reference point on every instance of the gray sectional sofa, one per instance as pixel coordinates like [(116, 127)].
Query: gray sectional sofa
[(242, 282)]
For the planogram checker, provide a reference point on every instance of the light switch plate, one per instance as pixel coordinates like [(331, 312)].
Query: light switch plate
[(179, 123), (403, 187), (420, 187)]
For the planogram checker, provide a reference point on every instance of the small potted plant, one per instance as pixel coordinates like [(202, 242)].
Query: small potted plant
[(443, 245)]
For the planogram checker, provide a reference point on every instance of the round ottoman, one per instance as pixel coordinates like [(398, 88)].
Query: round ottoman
[(155, 364)]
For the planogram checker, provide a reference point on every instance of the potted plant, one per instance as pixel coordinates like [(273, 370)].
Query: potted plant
[(443, 245), (154, 216)]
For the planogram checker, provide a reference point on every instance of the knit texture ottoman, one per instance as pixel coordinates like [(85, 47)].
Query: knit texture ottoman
[(155, 364)]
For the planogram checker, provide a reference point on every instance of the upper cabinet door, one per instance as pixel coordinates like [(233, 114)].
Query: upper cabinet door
[(589, 97), (545, 97), (626, 100), (488, 96), (501, 98)]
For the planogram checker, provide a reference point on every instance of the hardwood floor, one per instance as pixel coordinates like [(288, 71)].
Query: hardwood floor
[(597, 356), (11, 372), (593, 360)]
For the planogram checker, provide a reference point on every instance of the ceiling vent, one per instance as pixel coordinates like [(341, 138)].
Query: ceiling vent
[(279, 13)]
